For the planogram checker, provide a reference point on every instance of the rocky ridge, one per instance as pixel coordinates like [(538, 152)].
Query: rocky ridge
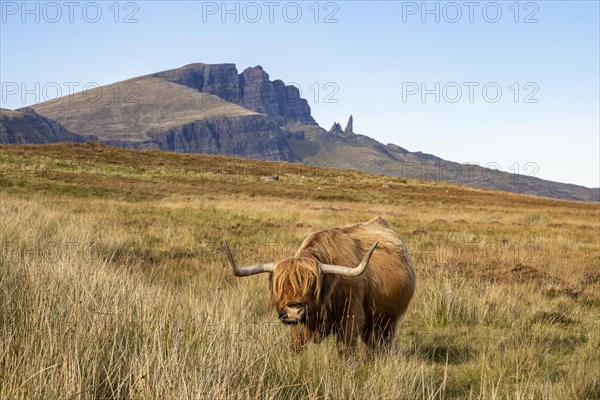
[(252, 89), (27, 126)]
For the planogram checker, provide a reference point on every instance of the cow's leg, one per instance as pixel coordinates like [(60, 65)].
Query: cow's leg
[(388, 332), (348, 341), (382, 332)]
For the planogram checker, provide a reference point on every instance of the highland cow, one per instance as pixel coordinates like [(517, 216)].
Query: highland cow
[(355, 282)]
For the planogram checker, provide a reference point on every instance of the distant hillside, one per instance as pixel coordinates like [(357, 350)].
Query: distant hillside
[(213, 109), (344, 149), (26, 126)]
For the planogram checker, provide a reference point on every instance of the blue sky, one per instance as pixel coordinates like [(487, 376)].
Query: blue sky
[(373, 60)]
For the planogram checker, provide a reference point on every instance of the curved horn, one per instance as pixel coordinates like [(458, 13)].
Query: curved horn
[(246, 271), (341, 270)]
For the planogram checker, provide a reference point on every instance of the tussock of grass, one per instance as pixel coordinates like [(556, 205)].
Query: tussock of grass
[(113, 285)]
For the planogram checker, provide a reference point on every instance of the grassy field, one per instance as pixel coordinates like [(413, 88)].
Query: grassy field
[(113, 284)]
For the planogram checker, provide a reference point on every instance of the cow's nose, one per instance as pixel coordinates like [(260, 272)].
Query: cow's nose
[(295, 304), (282, 314)]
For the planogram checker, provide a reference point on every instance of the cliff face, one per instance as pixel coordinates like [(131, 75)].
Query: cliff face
[(253, 136), (252, 89), (26, 126), (219, 79)]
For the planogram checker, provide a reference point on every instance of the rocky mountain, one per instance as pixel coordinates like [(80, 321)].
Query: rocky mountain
[(251, 89), (26, 126), (214, 109), (154, 113)]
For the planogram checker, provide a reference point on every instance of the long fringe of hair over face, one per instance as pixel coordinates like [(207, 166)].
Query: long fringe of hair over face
[(297, 277)]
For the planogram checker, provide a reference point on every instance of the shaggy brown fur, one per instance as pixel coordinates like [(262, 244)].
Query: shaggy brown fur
[(367, 306), (298, 277)]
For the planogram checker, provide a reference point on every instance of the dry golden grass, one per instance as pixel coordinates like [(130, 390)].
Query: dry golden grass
[(113, 285)]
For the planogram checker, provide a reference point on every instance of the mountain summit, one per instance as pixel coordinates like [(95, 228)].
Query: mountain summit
[(349, 126), (215, 109), (251, 89)]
